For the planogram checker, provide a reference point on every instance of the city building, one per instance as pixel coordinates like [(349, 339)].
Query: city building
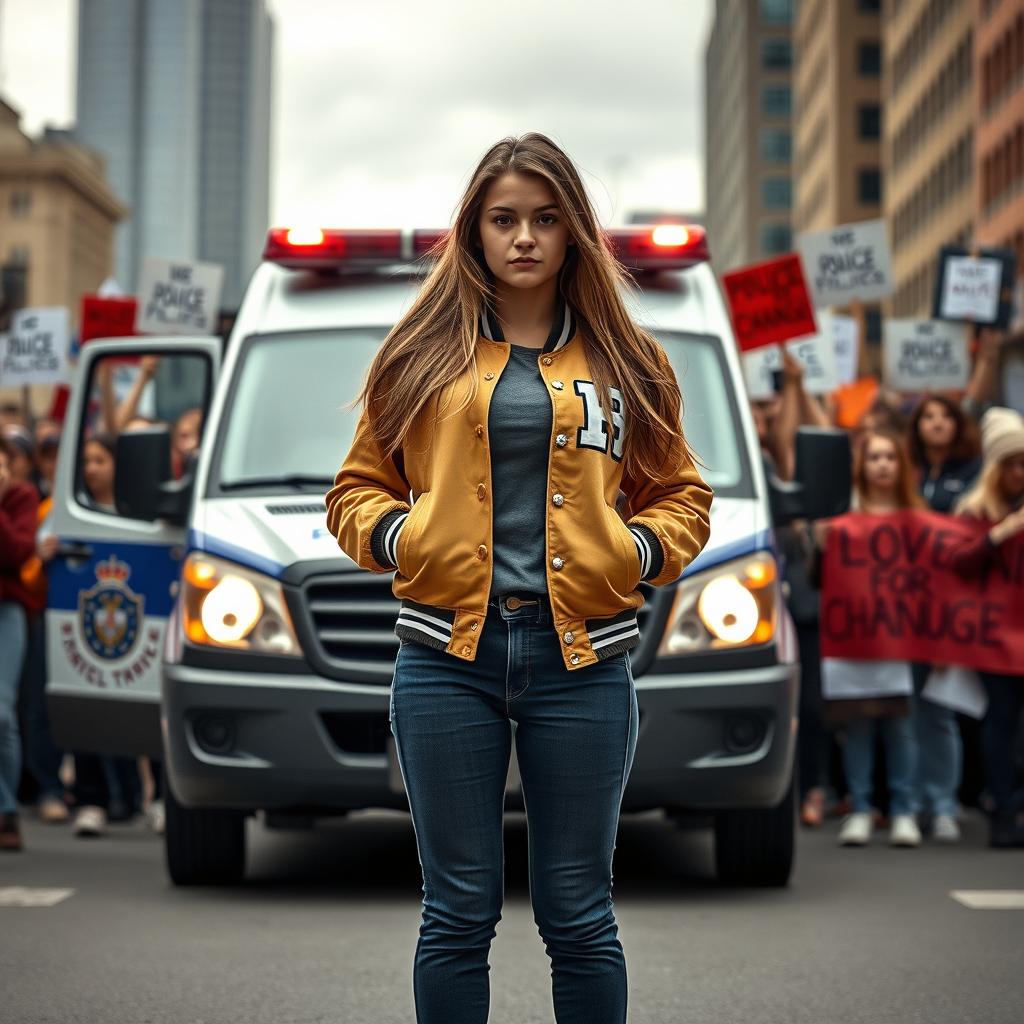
[(999, 121), (177, 97), (748, 134), (58, 215), (930, 140)]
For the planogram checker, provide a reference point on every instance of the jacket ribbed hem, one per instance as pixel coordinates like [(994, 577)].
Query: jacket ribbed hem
[(384, 538), (648, 547)]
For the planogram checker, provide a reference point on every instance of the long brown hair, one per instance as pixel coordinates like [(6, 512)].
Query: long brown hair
[(965, 444), (906, 492), (434, 343)]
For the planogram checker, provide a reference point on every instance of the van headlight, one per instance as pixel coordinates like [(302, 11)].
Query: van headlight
[(225, 605), (730, 606)]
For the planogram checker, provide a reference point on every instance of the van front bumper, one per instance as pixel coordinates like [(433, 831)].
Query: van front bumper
[(707, 741)]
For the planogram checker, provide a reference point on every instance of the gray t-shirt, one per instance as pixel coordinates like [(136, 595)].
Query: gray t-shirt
[(519, 428)]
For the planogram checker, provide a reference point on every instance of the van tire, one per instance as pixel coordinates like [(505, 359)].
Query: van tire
[(203, 847), (756, 847)]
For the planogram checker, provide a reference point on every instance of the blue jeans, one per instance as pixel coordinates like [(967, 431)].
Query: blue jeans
[(13, 641), (575, 736), (999, 729), (900, 758), (939, 750), (42, 756)]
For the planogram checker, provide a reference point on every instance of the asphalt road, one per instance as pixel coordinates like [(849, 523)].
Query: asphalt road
[(325, 927)]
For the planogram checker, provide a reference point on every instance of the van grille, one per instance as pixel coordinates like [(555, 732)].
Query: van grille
[(353, 623), (351, 617)]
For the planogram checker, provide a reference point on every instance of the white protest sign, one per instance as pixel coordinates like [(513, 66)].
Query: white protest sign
[(970, 289), (177, 297), (758, 366), (924, 355), (957, 688), (848, 263), (844, 332), (35, 351), (816, 355)]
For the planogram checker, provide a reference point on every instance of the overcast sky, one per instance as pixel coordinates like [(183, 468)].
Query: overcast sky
[(381, 110)]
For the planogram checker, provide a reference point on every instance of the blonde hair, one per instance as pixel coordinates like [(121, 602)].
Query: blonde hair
[(985, 499), (434, 343)]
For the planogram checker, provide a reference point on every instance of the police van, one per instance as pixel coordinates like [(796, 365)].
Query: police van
[(207, 616)]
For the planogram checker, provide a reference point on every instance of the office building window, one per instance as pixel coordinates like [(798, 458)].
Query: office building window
[(776, 193), (869, 121), (776, 144), (869, 185), (776, 54), (18, 256), (20, 203), (775, 238), (776, 12), (869, 59), (777, 101), (869, 6)]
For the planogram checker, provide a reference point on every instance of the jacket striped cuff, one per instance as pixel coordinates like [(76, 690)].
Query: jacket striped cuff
[(384, 539), (648, 547)]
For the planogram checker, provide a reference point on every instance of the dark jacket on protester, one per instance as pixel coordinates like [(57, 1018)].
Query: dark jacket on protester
[(17, 540), (942, 489)]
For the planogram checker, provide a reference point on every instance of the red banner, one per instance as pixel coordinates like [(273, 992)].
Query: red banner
[(769, 302), (891, 592), (107, 318)]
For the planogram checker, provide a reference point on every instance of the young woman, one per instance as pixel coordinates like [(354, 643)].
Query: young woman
[(997, 499), (883, 483), (98, 470), (514, 400), (943, 447)]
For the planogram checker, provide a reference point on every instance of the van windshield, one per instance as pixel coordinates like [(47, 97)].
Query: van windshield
[(285, 428)]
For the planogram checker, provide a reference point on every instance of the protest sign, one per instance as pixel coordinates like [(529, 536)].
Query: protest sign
[(759, 365), (958, 689), (924, 355), (845, 344), (891, 592), (768, 303), (35, 350), (107, 317), (816, 354), (848, 263), (842, 679), (177, 297), (977, 288)]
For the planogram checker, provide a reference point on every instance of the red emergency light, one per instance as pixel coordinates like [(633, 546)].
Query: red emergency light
[(640, 247)]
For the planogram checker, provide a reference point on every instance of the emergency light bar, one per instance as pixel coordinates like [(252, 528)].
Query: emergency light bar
[(640, 247)]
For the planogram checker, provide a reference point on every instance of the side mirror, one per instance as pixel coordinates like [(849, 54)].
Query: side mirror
[(143, 488), (824, 468)]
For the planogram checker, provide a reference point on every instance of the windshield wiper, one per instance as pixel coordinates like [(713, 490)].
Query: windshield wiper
[(296, 480)]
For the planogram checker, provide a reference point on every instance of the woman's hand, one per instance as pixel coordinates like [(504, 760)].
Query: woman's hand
[(1008, 527), (46, 547)]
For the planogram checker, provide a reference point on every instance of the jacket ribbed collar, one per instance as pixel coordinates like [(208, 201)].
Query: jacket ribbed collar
[(563, 326)]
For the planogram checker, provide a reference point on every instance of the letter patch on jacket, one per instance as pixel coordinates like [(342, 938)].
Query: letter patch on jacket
[(594, 432)]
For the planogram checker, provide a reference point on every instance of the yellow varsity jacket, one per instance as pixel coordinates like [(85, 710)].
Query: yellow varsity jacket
[(439, 543)]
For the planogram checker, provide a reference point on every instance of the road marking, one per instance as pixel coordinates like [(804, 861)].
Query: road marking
[(990, 899), (21, 896)]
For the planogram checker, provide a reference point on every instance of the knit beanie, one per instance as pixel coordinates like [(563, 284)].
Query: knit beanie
[(1002, 434)]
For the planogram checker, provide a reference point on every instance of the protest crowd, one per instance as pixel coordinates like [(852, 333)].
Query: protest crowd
[(83, 789)]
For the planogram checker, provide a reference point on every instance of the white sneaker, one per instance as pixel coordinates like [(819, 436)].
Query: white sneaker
[(945, 829), (904, 831), (155, 816), (857, 829), (89, 821)]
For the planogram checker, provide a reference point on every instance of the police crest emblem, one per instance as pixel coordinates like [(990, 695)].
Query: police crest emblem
[(110, 612)]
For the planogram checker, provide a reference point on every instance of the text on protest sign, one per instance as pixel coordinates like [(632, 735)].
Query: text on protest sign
[(179, 297), (768, 302), (845, 344), (890, 592), (925, 355), (848, 263), (35, 351), (977, 289)]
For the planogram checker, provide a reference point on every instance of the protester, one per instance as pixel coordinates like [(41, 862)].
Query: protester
[(997, 500), (883, 484), (12, 413), (22, 447), (98, 470), (943, 446), (18, 503), (47, 445)]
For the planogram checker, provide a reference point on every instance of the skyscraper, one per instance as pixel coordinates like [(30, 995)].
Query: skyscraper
[(176, 96)]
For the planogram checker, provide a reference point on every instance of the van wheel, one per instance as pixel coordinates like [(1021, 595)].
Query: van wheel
[(756, 847), (203, 847)]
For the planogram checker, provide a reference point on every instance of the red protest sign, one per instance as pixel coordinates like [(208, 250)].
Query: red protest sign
[(891, 592), (107, 318), (769, 303)]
